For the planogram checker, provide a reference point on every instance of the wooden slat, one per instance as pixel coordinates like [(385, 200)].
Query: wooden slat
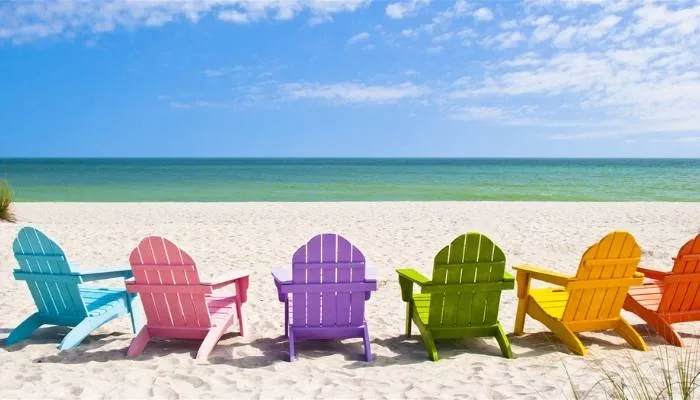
[(357, 298), (299, 276), (169, 290), (343, 299), (338, 288), (612, 261), (324, 264), (30, 276), (329, 257), (313, 297)]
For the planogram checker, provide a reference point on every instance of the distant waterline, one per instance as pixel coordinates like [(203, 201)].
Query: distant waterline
[(185, 180)]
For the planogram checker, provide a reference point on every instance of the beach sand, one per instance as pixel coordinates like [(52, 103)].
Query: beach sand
[(260, 236)]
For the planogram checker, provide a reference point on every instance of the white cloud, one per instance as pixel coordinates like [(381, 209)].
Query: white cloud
[(359, 37), (483, 14), (480, 113), (25, 21), (406, 8), (221, 71), (505, 40), (508, 25), (234, 16), (624, 69), (353, 92)]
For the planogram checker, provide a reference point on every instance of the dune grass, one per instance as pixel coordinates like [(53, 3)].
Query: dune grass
[(679, 378), (6, 199)]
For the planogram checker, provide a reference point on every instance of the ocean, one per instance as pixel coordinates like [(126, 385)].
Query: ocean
[(391, 179)]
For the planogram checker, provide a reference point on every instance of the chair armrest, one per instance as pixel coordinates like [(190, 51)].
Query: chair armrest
[(508, 281), (239, 278), (407, 277), (282, 276), (107, 273), (652, 273), (225, 280), (542, 274)]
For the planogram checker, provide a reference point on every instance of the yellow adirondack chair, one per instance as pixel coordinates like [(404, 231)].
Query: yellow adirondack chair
[(591, 300)]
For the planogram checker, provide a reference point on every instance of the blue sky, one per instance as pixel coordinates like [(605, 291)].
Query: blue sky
[(350, 78)]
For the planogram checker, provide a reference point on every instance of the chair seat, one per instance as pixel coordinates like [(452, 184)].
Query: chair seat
[(422, 303), (100, 300), (220, 308), (552, 300), (648, 295)]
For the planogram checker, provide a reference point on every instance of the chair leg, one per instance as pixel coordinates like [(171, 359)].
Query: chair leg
[(85, 327), (630, 335), (291, 345), (212, 339), (24, 329), (239, 314), (428, 340), (665, 330), (136, 312), (661, 326), (139, 342), (368, 349), (409, 313), (286, 318), (503, 342), (519, 327), (523, 281), (566, 335)]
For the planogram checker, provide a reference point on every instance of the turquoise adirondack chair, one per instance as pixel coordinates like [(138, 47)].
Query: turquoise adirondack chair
[(462, 299), (59, 295)]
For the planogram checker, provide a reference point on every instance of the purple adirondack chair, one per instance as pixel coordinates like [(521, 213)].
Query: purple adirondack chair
[(329, 285)]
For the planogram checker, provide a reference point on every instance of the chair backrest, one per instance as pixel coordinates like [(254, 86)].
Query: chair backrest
[(604, 275), (166, 279), (44, 266), (467, 282), (328, 290), (682, 287)]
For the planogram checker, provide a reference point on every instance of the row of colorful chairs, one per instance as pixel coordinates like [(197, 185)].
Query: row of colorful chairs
[(325, 291)]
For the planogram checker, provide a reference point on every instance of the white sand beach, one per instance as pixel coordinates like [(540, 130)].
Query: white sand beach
[(260, 236)]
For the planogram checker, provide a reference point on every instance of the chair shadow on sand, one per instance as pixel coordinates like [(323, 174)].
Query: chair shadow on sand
[(276, 350), (90, 348), (54, 334), (411, 350), (541, 343), (652, 338)]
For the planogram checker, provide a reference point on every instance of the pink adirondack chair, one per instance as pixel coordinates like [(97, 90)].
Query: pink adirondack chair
[(328, 287), (177, 304)]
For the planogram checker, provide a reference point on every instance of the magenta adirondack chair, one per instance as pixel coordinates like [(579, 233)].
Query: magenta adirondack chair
[(177, 304), (329, 285)]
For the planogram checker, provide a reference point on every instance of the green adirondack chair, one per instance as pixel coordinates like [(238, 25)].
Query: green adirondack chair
[(463, 297)]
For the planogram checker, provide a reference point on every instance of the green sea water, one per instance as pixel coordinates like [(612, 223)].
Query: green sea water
[(185, 180)]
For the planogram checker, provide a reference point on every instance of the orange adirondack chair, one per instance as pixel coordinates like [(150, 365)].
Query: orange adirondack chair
[(670, 297), (590, 301)]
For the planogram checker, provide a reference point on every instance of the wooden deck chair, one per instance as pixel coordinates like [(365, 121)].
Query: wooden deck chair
[(590, 301), (177, 304), (670, 297), (59, 292), (463, 298), (328, 286)]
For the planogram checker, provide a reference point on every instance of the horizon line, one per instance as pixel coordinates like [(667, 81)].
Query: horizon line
[(349, 158)]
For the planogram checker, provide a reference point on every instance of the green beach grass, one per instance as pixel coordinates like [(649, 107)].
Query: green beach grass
[(6, 199), (679, 378)]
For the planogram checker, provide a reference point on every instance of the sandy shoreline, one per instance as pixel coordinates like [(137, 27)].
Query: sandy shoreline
[(262, 236)]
